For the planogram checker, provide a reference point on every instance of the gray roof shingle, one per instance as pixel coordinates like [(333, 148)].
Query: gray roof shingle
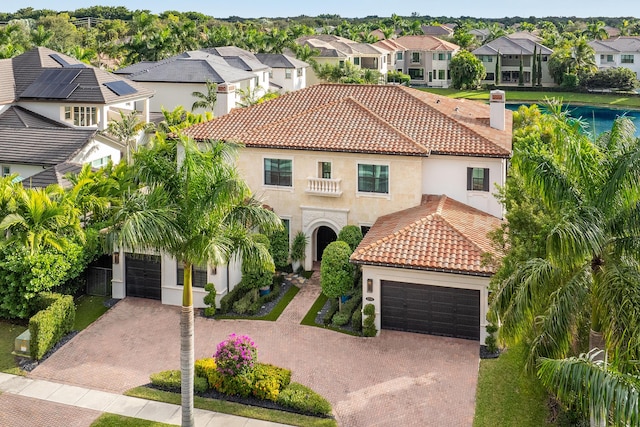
[(53, 175), (43, 146), (512, 46)]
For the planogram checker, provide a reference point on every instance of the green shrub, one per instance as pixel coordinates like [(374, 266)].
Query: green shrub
[(203, 366), (210, 299), (171, 381), (227, 301), (398, 77), (336, 272), (356, 320), (298, 247), (269, 380), (234, 385), (341, 318), (369, 326), (351, 235), (303, 399), (244, 304), (48, 326), (280, 249), (333, 308)]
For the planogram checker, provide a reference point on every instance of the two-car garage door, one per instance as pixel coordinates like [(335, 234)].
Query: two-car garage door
[(428, 309)]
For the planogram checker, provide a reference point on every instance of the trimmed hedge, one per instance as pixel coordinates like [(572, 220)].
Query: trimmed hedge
[(303, 399), (268, 380), (369, 326), (356, 320), (227, 301), (204, 366), (244, 304), (171, 381), (333, 308), (48, 326), (344, 316)]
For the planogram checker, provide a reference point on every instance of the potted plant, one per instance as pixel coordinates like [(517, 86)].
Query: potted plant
[(298, 249)]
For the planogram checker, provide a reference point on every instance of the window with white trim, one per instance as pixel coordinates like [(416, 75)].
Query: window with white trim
[(278, 172), (81, 116), (299, 72), (356, 60), (373, 178), (287, 73), (415, 57), (6, 170), (477, 179), (324, 170), (626, 59), (198, 275), (98, 163), (398, 56)]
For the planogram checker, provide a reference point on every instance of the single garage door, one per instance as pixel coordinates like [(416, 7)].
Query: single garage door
[(432, 310), (143, 276)]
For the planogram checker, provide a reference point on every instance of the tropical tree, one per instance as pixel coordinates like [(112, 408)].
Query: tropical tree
[(125, 130), (596, 31), (587, 275), (193, 205), (206, 101), (467, 71)]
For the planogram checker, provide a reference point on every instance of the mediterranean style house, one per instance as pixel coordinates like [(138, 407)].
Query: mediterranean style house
[(618, 52), (510, 49), (424, 58), (52, 111), (337, 50), (415, 171)]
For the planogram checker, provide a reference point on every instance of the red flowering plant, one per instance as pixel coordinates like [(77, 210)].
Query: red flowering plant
[(236, 355)]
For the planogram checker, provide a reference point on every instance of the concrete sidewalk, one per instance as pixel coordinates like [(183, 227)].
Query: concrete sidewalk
[(113, 403)]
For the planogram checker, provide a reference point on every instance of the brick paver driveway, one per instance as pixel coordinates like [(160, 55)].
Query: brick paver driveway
[(396, 379)]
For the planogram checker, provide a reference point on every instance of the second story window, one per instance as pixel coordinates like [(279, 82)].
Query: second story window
[(356, 60), (398, 56), (81, 116), (287, 73), (324, 170), (278, 172), (626, 59), (373, 178), (415, 57), (477, 179), (299, 72)]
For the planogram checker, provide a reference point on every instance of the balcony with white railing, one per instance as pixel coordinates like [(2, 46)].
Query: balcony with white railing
[(324, 187)]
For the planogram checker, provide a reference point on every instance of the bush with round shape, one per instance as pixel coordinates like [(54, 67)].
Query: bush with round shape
[(351, 235), (204, 366), (336, 272), (369, 326), (236, 355), (171, 381), (303, 399), (210, 299)]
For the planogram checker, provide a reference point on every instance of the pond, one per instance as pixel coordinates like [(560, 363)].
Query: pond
[(601, 117)]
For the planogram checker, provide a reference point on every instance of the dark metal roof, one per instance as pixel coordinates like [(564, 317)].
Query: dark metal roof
[(279, 60), (19, 117), (53, 175)]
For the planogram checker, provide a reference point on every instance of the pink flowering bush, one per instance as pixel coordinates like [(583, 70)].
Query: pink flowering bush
[(236, 355)]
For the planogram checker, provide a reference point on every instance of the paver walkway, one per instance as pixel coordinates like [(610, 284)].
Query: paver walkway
[(395, 379), (48, 404), (304, 299)]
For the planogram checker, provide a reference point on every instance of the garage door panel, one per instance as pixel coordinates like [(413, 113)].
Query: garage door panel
[(431, 309), (143, 276)]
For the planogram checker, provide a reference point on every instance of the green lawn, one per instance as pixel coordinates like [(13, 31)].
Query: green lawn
[(609, 100), (113, 420), (234, 408), (8, 334), (88, 309), (506, 396)]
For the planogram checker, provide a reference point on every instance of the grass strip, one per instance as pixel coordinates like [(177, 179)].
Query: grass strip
[(507, 395), (113, 420), (234, 408), (310, 318), (8, 334), (277, 310), (608, 100), (88, 309)]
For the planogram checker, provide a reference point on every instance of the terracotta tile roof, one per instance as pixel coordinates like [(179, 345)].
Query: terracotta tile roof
[(364, 118), (439, 235), (426, 43)]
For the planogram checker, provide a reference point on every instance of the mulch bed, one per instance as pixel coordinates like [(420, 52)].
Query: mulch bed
[(486, 354)]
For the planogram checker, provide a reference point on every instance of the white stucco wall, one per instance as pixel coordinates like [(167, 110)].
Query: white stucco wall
[(292, 84), (448, 175), (449, 280), (602, 63), (24, 171), (97, 150)]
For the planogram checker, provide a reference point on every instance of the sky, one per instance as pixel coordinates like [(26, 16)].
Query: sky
[(353, 9)]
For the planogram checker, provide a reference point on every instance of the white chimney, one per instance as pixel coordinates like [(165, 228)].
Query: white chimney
[(226, 99), (496, 112)]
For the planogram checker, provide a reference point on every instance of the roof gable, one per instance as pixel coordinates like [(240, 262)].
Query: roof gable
[(441, 234)]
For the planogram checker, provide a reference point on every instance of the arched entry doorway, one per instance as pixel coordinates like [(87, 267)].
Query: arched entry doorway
[(324, 236)]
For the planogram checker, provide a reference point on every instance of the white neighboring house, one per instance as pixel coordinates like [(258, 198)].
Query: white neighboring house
[(618, 52), (52, 109), (425, 58), (402, 164), (175, 79), (287, 73), (337, 50)]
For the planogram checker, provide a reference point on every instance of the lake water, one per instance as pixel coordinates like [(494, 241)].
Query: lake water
[(602, 117)]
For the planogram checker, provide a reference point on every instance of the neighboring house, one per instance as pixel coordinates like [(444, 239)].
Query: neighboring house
[(53, 107), (425, 58), (287, 73), (337, 50), (34, 147), (510, 50), (175, 79), (480, 34), (437, 30), (618, 52), (414, 170)]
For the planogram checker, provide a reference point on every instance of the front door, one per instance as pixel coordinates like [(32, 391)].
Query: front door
[(324, 236)]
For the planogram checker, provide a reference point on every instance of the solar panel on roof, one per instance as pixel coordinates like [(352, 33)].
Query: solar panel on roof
[(54, 83), (60, 60), (120, 88)]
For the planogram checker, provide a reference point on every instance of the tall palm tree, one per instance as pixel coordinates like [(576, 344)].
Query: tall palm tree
[(596, 31), (126, 130), (206, 101), (193, 205), (590, 272)]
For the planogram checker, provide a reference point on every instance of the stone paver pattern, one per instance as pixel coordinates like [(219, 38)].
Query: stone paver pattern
[(396, 379)]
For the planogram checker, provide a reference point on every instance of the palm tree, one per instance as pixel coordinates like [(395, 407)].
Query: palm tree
[(589, 273), (125, 130), (596, 31), (206, 101), (193, 205)]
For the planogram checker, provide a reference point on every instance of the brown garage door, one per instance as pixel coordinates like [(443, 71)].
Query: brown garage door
[(432, 310), (143, 276)]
